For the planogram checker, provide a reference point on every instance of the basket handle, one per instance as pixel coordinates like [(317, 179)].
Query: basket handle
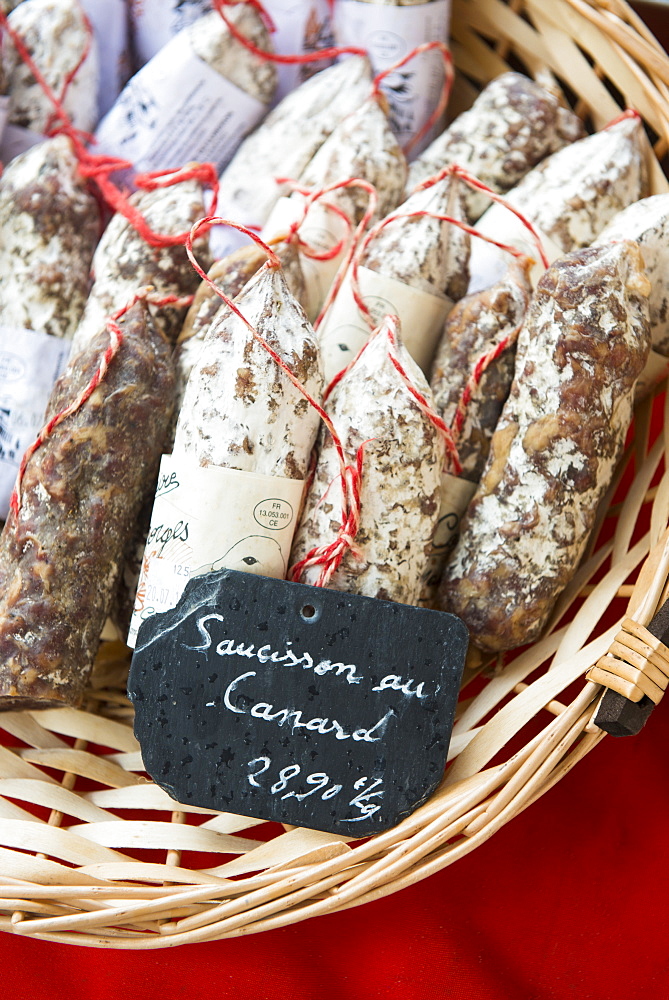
[(635, 670)]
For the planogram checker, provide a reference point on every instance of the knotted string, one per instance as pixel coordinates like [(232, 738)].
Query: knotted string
[(457, 171), (312, 196), (330, 555)]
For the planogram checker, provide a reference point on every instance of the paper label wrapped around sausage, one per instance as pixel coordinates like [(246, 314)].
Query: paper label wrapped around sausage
[(30, 363), (301, 26), (455, 496), (488, 264), (212, 518), (155, 22), (344, 330), (389, 33), (321, 230), (175, 110), (109, 20)]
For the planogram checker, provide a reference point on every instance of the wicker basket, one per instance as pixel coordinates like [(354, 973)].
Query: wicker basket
[(92, 853)]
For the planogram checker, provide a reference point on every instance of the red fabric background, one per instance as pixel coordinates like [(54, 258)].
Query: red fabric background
[(571, 899)]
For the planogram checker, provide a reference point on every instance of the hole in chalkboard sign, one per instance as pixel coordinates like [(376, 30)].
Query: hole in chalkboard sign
[(309, 613)]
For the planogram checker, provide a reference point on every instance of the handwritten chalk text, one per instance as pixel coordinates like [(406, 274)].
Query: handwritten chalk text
[(264, 654), (293, 716), (318, 781)]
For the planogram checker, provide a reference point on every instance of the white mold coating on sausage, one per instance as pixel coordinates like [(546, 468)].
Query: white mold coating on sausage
[(583, 345), (124, 263), (422, 251), (510, 128), (401, 480), (571, 196), (362, 145), (230, 275), (647, 222), (475, 326), (215, 45), (57, 35), (49, 227), (240, 410), (284, 143)]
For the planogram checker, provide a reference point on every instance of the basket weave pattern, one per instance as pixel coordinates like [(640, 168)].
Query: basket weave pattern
[(93, 853)]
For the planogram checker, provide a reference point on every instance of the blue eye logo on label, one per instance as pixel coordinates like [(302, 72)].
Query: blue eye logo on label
[(274, 514)]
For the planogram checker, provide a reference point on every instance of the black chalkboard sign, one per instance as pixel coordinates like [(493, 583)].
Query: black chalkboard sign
[(297, 704)]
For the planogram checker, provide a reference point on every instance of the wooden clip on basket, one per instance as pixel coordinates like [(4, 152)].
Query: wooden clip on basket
[(91, 852)]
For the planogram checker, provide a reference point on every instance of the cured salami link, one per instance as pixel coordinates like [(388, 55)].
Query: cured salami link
[(569, 197), (423, 251), (361, 146), (583, 345), (475, 325), (647, 222), (230, 275), (246, 428), (216, 46), (60, 556), (266, 425), (285, 142), (412, 265), (123, 262), (49, 227), (510, 128), (59, 39), (399, 486), (195, 99)]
